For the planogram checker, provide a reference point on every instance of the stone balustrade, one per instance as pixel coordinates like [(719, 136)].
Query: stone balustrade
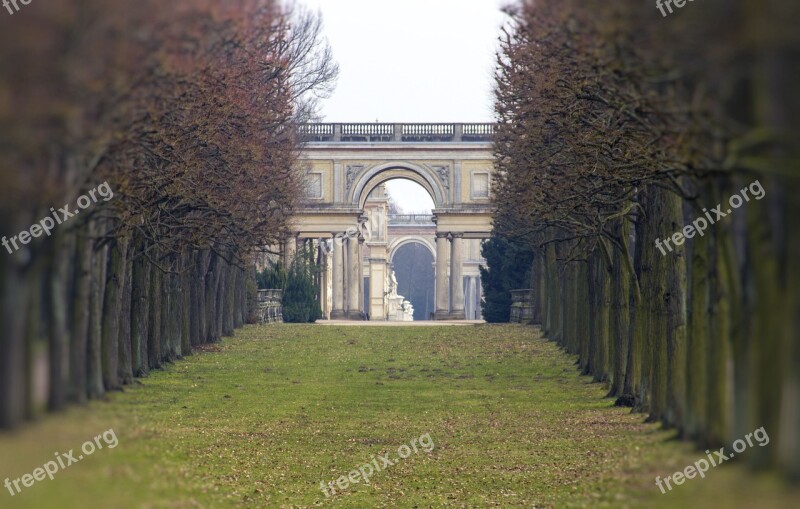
[(411, 219), (270, 307), (408, 133), (522, 309)]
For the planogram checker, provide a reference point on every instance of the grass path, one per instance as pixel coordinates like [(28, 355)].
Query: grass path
[(259, 420)]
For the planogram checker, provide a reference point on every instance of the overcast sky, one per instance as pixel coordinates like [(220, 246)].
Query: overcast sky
[(411, 61)]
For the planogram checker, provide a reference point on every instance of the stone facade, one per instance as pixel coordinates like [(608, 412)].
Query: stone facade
[(344, 163)]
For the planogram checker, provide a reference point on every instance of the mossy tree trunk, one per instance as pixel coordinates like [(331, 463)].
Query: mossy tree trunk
[(125, 368), (12, 341), (620, 308), (675, 300), (81, 313), (583, 310), (698, 337), (140, 312), (33, 332), (637, 319), (96, 388), (112, 307), (154, 322), (766, 332), (717, 400), (58, 325), (187, 283)]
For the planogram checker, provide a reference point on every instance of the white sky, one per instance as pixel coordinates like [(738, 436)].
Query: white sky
[(411, 197), (411, 61)]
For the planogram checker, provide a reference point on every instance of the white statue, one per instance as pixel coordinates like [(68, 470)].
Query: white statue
[(400, 310), (393, 285)]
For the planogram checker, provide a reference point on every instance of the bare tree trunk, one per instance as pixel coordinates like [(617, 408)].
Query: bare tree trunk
[(649, 320), (95, 359), (553, 326), (79, 338), (675, 304), (176, 315), (202, 263), (789, 438), (125, 372), (766, 334), (584, 313), (12, 343), (166, 319), (154, 325), (195, 308), (33, 334), (58, 329), (631, 388), (557, 334), (591, 273), (538, 286), (140, 313), (220, 308), (718, 428), (571, 308), (604, 320), (230, 303), (620, 311), (698, 338), (211, 281), (239, 298), (187, 269), (112, 307), (214, 299), (657, 333), (547, 295), (251, 289), (598, 317)]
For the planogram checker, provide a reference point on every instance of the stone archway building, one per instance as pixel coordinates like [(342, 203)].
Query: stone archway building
[(345, 163)]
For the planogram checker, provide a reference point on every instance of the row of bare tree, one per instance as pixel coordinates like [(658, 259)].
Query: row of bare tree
[(186, 109), (617, 128)]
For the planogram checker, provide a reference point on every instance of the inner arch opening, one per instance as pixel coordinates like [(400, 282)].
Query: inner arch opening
[(434, 184), (399, 215), (413, 265), (408, 197)]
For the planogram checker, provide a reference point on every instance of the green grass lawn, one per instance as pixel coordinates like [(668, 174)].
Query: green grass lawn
[(259, 420)]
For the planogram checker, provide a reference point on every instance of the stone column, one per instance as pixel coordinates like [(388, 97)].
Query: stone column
[(361, 295), (456, 276), (353, 272), (324, 258), (442, 293), (468, 297), (337, 313), (479, 296), (289, 250)]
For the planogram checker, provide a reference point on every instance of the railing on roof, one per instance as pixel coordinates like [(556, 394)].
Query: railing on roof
[(377, 132), (410, 219)]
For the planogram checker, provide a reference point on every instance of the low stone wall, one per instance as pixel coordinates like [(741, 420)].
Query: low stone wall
[(270, 309), (522, 309)]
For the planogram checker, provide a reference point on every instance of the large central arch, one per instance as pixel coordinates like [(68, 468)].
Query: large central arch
[(436, 185), (343, 163)]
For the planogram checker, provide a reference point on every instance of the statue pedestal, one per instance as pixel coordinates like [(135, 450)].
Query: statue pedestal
[(400, 310)]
